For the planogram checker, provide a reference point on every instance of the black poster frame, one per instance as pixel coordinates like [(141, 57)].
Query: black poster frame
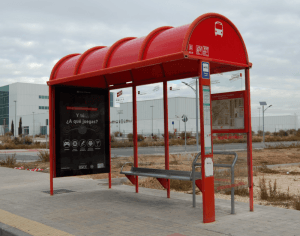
[(58, 138)]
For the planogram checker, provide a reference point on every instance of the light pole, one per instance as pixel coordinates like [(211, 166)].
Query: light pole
[(15, 117), (33, 128), (120, 112), (263, 104), (152, 120), (259, 117), (197, 105)]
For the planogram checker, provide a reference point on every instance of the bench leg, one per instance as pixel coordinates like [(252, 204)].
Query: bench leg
[(163, 182), (131, 178)]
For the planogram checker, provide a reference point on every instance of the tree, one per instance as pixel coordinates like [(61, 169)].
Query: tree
[(20, 126), (12, 128)]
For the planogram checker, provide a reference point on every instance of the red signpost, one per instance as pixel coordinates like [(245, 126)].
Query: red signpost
[(211, 44)]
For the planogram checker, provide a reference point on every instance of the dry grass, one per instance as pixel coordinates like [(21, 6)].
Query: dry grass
[(9, 161), (20, 143), (43, 156)]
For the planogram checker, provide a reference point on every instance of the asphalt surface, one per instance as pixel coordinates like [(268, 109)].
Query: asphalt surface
[(31, 155)]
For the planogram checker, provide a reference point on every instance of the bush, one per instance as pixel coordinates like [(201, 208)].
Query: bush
[(267, 133), (188, 135), (116, 134), (43, 156), (130, 137), (259, 133), (282, 133), (9, 161), (171, 135), (27, 140), (8, 134)]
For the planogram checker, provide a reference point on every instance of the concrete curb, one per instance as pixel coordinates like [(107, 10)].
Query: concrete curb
[(6, 230)]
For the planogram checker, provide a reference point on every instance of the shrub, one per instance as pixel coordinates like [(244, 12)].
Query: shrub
[(267, 133), (171, 135), (9, 160), (188, 135), (116, 134), (43, 156), (259, 133), (130, 137), (282, 133), (8, 134)]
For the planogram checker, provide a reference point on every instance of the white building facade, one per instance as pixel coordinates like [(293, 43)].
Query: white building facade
[(30, 103)]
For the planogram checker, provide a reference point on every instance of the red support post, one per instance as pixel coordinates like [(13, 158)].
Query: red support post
[(249, 140), (207, 183), (109, 145), (166, 132), (51, 135), (135, 144)]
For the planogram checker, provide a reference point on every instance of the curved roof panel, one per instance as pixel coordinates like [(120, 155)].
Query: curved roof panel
[(165, 53)]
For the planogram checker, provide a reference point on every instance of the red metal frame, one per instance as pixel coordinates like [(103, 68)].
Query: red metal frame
[(135, 143), (249, 141), (165, 54), (166, 133), (109, 149), (207, 183)]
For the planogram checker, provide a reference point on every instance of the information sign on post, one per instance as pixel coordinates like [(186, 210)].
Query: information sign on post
[(81, 131)]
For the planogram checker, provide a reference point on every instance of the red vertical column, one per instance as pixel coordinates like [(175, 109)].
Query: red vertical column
[(109, 145), (135, 144), (166, 132), (208, 191), (249, 140), (51, 135)]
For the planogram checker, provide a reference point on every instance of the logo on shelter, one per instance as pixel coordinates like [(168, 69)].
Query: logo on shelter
[(218, 28), (199, 50)]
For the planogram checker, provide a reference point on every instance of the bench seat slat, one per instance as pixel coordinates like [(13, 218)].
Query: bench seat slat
[(164, 174)]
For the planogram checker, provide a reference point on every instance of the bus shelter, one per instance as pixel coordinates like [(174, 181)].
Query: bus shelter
[(79, 88)]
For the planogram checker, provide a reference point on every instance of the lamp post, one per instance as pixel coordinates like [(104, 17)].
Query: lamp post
[(33, 128), (120, 112), (263, 104), (152, 119), (15, 117), (259, 117), (197, 105)]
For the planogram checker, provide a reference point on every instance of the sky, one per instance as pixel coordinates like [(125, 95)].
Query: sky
[(34, 35)]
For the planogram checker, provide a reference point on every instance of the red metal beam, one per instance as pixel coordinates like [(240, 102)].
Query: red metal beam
[(135, 144), (207, 183), (164, 182), (109, 146), (51, 135), (166, 133), (249, 141)]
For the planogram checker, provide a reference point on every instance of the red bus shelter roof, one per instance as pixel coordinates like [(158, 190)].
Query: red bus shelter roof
[(166, 53)]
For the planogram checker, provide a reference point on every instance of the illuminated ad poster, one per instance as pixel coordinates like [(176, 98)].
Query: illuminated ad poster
[(81, 131), (228, 111)]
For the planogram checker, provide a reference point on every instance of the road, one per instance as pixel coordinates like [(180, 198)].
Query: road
[(31, 155)]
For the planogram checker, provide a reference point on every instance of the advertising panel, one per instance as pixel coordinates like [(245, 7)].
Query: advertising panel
[(82, 121), (228, 112)]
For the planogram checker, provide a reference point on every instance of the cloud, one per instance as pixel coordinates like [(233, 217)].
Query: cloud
[(34, 35)]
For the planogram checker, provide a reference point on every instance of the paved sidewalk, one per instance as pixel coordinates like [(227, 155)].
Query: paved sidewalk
[(93, 209)]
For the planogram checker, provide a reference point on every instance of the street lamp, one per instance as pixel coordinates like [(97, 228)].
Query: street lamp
[(120, 112), (259, 117), (152, 120), (33, 128), (15, 117), (263, 104), (197, 105)]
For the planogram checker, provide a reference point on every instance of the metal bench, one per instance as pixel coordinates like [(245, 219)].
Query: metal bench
[(161, 175)]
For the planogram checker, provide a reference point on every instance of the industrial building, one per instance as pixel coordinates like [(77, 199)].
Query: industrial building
[(151, 117), (30, 103)]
